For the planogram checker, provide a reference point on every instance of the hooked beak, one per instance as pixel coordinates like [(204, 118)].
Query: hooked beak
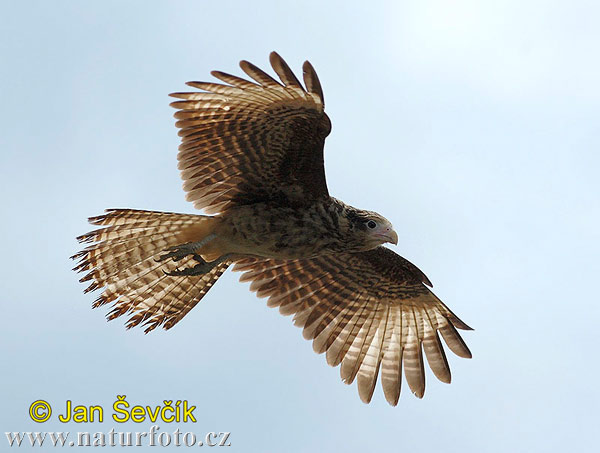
[(389, 235), (392, 237)]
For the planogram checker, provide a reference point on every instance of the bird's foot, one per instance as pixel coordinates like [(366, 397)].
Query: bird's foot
[(178, 252), (199, 269), (203, 267)]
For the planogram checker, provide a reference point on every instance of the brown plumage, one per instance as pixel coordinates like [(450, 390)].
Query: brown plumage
[(252, 155)]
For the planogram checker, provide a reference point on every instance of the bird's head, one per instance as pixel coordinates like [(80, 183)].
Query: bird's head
[(372, 229)]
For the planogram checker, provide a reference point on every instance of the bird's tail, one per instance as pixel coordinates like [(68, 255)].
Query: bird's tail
[(124, 260)]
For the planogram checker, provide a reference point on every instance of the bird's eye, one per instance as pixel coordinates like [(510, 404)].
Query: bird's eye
[(371, 224)]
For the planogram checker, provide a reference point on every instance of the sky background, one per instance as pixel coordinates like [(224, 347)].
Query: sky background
[(473, 126)]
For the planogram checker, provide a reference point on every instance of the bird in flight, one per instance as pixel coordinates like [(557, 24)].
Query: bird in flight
[(251, 157)]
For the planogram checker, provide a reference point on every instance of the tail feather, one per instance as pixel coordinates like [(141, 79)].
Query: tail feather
[(122, 260)]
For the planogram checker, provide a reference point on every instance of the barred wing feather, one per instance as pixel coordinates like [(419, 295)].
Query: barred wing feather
[(245, 142), (370, 312)]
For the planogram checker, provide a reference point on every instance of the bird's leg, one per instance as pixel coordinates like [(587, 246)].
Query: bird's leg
[(201, 268), (179, 252)]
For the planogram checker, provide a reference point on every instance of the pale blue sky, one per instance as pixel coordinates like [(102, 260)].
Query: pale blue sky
[(472, 126)]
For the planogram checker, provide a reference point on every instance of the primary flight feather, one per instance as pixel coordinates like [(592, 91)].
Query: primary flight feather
[(252, 155)]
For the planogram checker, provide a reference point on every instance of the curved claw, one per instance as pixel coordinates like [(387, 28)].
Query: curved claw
[(177, 252), (199, 269), (174, 254)]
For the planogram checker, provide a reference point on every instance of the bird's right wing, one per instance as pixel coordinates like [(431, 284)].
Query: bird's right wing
[(368, 311), (245, 142)]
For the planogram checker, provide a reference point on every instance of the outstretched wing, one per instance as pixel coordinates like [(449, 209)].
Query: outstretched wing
[(247, 142), (368, 311)]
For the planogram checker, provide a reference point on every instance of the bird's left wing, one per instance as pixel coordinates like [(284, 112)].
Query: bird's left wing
[(246, 142), (368, 311)]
